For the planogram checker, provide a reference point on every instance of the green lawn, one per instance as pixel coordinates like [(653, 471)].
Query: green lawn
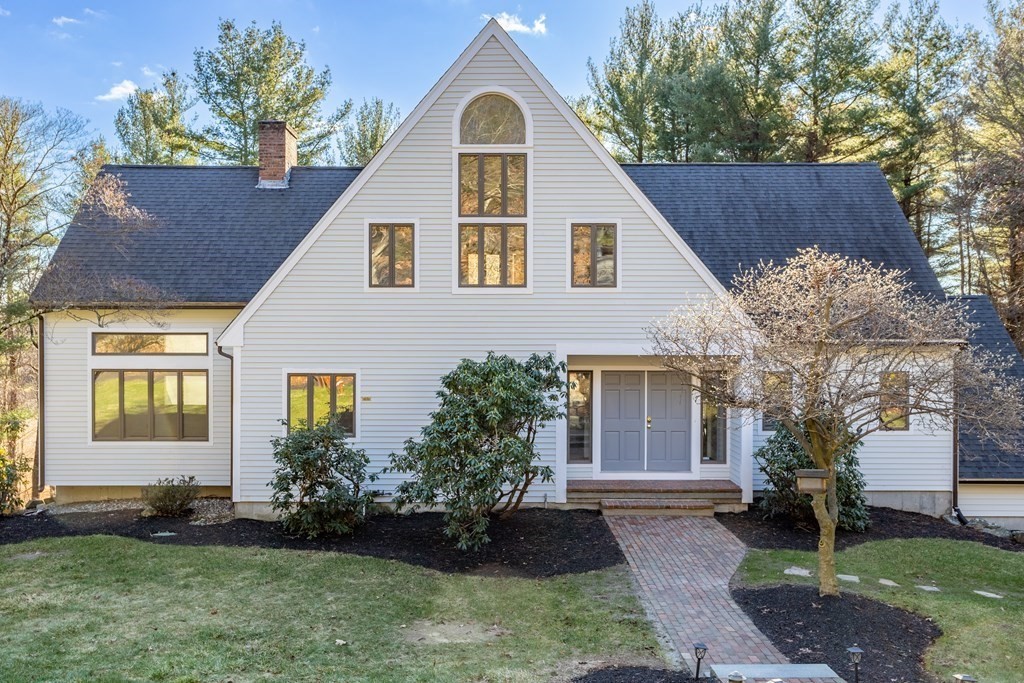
[(102, 608), (981, 636)]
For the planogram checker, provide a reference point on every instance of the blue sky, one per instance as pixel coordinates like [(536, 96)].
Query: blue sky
[(86, 55)]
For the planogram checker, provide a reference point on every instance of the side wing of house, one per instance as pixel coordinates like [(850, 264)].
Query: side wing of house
[(134, 401), (323, 322)]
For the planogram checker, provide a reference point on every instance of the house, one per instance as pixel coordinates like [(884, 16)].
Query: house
[(492, 220)]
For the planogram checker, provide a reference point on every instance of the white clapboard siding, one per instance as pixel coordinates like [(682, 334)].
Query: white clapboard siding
[(73, 459), (917, 460), (321, 316), (1000, 503)]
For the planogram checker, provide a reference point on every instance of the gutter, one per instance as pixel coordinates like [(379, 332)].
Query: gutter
[(231, 422), (40, 464)]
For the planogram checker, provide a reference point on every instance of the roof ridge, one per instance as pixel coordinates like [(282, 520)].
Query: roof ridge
[(774, 164), (226, 167)]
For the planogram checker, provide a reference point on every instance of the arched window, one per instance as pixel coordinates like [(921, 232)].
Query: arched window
[(492, 119)]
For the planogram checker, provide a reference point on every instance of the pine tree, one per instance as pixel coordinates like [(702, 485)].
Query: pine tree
[(625, 88), (151, 125), (373, 122), (923, 71), (834, 51), (255, 75)]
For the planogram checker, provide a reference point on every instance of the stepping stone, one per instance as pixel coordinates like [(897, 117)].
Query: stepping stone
[(887, 582), (930, 589), (784, 671), (797, 571), (848, 577), (161, 534), (986, 594)]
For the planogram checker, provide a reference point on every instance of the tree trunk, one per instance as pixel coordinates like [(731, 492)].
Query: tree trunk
[(828, 584)]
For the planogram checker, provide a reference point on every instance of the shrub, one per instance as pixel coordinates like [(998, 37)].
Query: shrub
[(171, 497), (477, 455), (12, 470), (319, 483), (779, 459)]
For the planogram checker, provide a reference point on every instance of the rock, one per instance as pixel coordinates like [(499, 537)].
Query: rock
[(1017, 536), (951, 519), (850, 578), (33, 504)]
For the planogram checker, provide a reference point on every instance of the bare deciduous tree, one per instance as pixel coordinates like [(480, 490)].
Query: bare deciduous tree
[(836, 350)]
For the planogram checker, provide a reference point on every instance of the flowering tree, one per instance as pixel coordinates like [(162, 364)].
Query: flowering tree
[(837, 349)]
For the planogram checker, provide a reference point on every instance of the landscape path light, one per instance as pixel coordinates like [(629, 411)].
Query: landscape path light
[(855, 656), (700, 650)]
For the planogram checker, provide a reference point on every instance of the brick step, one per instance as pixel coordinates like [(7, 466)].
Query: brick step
[(597, 496), (650, 507)]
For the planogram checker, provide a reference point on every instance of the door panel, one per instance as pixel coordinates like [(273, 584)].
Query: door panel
[(622, 421), (668, 433)]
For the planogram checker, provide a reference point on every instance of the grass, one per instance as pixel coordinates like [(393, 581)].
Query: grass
[(981, 636), (101, 608)]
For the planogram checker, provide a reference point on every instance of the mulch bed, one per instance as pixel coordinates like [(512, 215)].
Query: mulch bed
[(810, 629), (534, 543), (886, 523), (637, 674)]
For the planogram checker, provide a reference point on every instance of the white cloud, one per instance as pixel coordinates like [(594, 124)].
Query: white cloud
[(63, 21), (513, 24), (117, 64), (316, 29), (5, 12), (89, 12), (147, 72), (120, 91)]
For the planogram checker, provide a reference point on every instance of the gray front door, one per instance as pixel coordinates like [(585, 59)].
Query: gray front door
[(668, 423), (622, 421)]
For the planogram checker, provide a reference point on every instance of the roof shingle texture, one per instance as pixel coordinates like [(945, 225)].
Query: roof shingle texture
[(979, 458), (736, 215), (216, 238)]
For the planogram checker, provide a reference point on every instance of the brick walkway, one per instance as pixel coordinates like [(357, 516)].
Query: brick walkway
[(683, 566)]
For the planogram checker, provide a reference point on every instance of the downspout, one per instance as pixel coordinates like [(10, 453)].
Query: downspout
[(231, 421), (956, 472), (40, 463)]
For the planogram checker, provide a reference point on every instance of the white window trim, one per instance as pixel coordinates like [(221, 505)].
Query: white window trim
[(298, 370), (492, 90), (479, 220), (157, 362), (415, 222), (569, 222)]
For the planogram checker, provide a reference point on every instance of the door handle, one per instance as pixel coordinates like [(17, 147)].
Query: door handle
[(649, 419)]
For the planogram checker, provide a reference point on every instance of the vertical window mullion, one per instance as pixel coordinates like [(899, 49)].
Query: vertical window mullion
[(504, 256), (310, 386), (504, 184), (151, 409), (120, 401), (180, 380), (391, 255), (480, 256), (480, 185), (333, 393), (593, 255)]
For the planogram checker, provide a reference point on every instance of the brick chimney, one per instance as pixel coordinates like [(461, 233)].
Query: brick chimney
[(278, 150)]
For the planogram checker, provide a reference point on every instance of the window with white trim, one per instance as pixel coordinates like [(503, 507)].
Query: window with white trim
[(313, 398)]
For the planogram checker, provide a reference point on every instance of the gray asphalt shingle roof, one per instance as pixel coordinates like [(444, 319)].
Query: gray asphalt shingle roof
[(981, 459), (216, 238), (736, 215)]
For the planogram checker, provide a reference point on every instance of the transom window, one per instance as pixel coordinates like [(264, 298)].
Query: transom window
[(149, 344), (492, 119), (391, 255), (894, 399), (593, 255), (492, 255), (150, 405), (313, 398), (492, 184)]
